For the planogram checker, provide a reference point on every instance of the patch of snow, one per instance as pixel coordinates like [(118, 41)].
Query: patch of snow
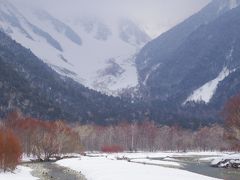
[(233, 4), (147, 155), (110, 84), (206, 92), (229, 4), (170, 159), (21, 173), (205, 153), (26, 158), (156, 162), (207, 159), (229, 55), (154, 68), (99, 168)]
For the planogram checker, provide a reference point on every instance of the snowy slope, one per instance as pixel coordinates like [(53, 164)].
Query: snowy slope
[(86, 49), (206, 92)]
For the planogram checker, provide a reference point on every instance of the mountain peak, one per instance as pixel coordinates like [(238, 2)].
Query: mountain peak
[(233, 3), (228, 4), (224, 5)]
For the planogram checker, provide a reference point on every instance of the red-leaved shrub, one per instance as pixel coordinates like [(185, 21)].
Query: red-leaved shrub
[(112, 149), (10, 150)]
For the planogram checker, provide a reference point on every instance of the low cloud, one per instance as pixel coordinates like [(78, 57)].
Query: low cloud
[(154, 15)]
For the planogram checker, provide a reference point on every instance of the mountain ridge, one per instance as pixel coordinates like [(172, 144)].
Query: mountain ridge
[(37, 90), (66, 45), (188, 70)]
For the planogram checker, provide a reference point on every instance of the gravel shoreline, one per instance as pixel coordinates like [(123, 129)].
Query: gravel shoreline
[(52, 171)]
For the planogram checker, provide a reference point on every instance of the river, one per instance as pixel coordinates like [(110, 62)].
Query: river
[(193, 164)]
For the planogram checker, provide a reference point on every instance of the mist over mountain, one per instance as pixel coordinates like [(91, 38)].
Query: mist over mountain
[(155, 16)]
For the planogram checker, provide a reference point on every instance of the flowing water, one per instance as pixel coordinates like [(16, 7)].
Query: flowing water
[(193, 164)]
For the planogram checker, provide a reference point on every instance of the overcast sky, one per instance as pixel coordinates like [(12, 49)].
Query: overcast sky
[(154, 15)]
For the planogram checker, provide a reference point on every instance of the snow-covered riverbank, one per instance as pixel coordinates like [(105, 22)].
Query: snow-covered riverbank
[(140, 166), (21, 173), (132, 166)]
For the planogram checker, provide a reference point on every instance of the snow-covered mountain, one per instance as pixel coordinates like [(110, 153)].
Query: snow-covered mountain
[(30, 85), (193, 69), (97, 53), (189, 61)]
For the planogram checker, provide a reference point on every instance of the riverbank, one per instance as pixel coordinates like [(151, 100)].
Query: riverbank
[(122, 166), (52, 171)]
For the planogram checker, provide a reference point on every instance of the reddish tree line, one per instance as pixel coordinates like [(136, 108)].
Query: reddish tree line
[(43, 139)]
